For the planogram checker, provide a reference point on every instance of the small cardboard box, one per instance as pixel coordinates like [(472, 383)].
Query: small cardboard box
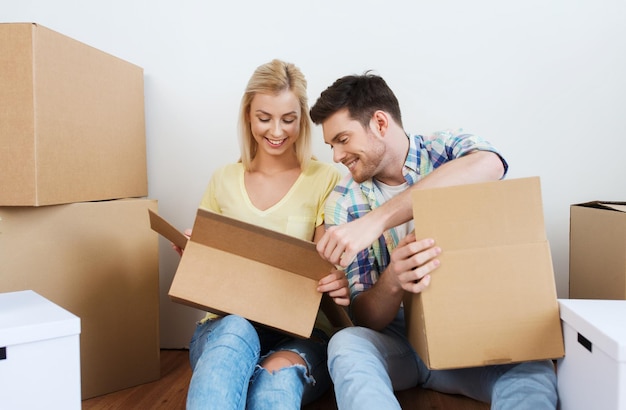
[(39, 353), (232, 267), (493, 298), (98, 260), (597, 256), (72, 125), (592, 375)]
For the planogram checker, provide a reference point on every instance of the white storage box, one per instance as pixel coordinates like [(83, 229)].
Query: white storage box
[(592, 375), (39, 354)]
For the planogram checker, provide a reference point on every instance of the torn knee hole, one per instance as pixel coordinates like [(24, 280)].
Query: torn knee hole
[(281, 360)]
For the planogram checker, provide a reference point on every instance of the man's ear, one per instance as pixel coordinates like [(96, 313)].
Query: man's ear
[(381, 122)]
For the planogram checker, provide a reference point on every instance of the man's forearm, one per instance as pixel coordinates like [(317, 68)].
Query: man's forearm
[(376, 307), (478, 166)]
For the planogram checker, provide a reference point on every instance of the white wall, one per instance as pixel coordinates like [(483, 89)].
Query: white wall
[(543, 81)]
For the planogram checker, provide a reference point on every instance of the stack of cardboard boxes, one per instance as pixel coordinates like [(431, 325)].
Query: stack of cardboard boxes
[(74, 221)]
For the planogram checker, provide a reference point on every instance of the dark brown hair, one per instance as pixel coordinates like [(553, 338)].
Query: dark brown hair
[(361, 95)]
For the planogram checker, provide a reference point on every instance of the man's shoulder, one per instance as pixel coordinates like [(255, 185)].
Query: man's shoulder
[(348, 195)]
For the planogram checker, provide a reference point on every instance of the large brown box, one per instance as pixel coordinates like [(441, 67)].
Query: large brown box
[(72, 123), (99, 261), (233, 267), (597, 253), (493, 298)]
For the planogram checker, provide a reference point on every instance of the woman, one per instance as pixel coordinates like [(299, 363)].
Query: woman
[(278, 185)]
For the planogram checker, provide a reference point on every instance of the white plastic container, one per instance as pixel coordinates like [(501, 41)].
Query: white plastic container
[(592, 375), (39, 354)]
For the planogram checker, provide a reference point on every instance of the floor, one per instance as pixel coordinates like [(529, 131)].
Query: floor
[(170, 391)]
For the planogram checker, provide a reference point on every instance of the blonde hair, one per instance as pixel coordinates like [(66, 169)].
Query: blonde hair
[(273, 78)]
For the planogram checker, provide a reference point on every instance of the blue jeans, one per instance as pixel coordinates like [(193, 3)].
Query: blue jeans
[(366, 367), (225, 354)]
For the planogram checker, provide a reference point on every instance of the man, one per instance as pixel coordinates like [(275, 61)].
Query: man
[(361, 121)]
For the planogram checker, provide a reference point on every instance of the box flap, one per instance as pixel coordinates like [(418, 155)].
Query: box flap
[(606, 205), (495, 213), (259, 244), (601, 322), (164, 228)]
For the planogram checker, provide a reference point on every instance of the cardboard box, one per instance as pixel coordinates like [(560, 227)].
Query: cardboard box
[(592, 375), (493, 298), (39, 353), (72, 125), (597, 256), (98, 260), (232, 267)]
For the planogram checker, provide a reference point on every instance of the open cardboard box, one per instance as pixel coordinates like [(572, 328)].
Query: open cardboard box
[(232, 267), (597, 256), (493, 298)]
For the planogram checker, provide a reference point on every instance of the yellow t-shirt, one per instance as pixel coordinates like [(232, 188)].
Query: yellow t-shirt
[(297, 214)]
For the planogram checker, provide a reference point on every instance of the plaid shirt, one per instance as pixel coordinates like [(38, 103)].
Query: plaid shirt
[(350, 200)]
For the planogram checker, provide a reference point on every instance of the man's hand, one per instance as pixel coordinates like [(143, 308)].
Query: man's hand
[(341, 243), (412, 261), (336, 285)]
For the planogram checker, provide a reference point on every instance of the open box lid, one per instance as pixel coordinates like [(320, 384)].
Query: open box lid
[(259, 244), (233, 267), (601, 322)]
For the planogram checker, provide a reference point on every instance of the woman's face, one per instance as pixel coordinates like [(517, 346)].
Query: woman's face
[(275, 122)]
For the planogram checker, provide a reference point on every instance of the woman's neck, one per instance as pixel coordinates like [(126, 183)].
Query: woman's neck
[(271, 165)]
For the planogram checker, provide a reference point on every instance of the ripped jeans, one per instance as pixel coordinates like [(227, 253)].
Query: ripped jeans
[(225, 356)]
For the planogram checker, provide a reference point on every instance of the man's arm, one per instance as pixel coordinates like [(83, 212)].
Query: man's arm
[(341, 243), (409, 270)]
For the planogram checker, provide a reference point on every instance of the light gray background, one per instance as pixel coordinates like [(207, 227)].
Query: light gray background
[(544, 81)]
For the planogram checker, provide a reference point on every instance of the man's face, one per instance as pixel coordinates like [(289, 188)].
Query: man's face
[(360, 149)]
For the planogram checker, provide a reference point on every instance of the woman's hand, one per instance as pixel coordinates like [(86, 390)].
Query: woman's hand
[(178, 249), (336, 285)]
